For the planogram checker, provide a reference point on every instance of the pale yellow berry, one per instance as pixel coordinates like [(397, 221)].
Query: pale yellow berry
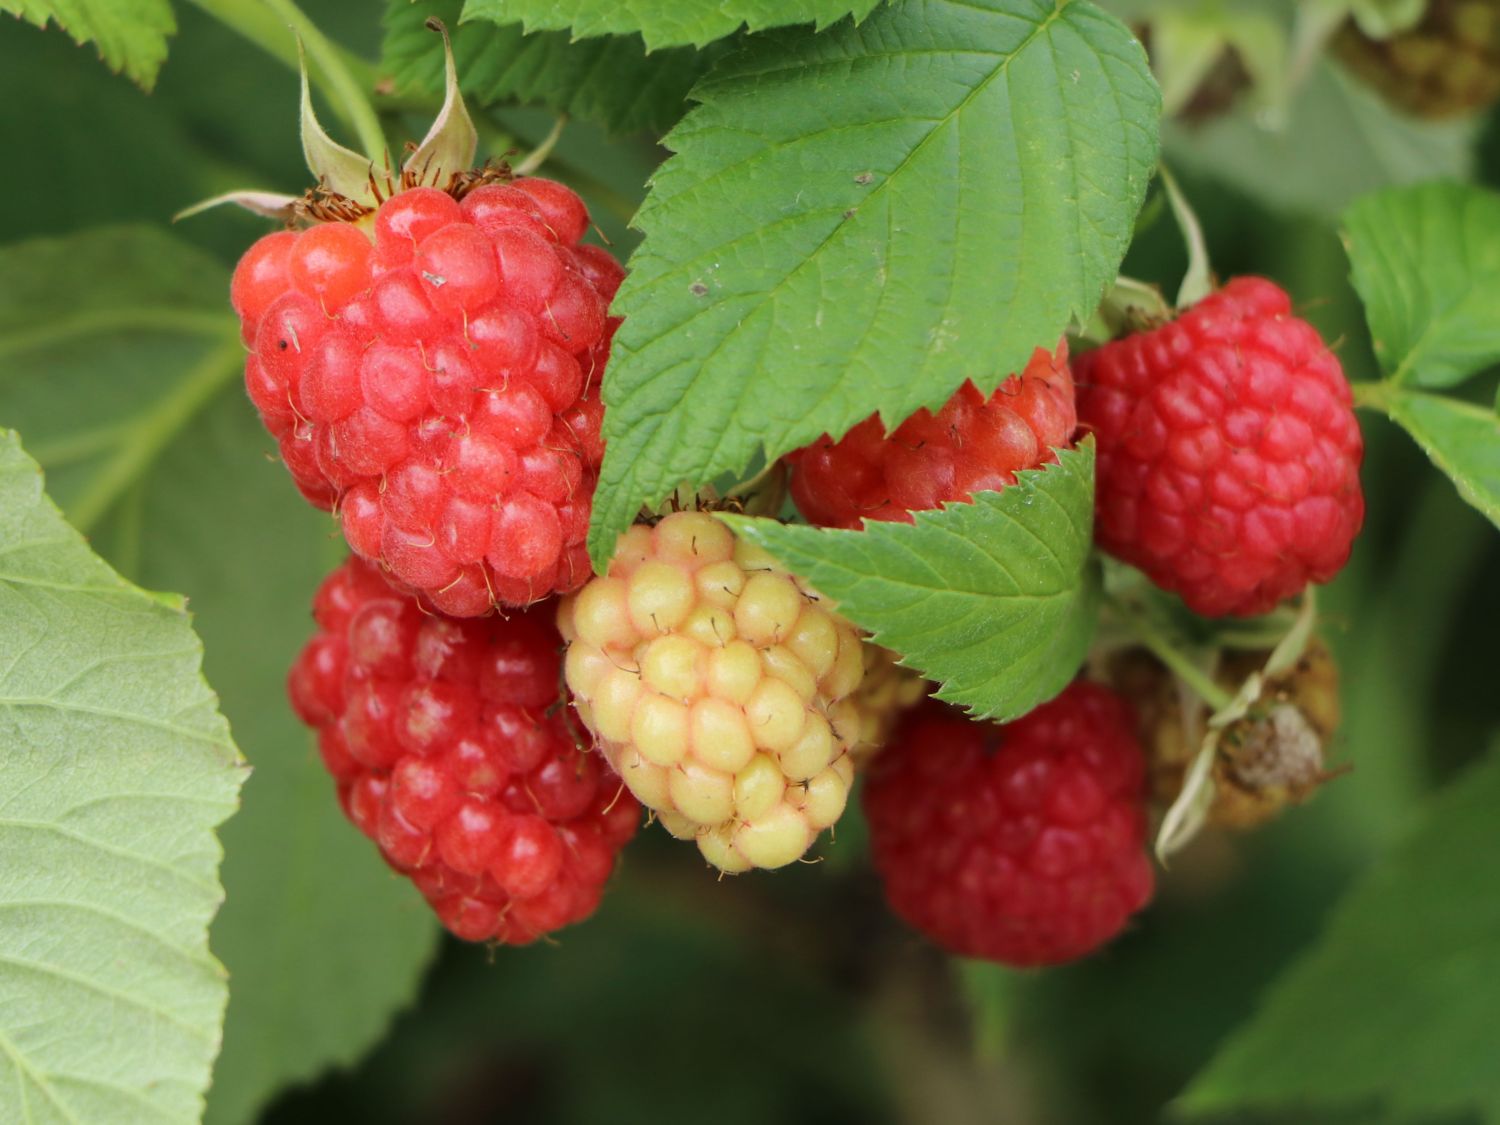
[(815, 640), (631, 549), (768, 608), (646, 781), (780, 837), (565, 624), (721, 738), (614, 703), (782, 663), (720, 584), (776, 715), (758, 786), (751, 557), (733, 671), (844, 718), (701, 794), (696, 538), (678, 825), (659, 729), (584, 666), (660, 596), (717, 847), (848, 667), (674, 666), (812, 752), (823, 798), (709, 625), (601, 615)]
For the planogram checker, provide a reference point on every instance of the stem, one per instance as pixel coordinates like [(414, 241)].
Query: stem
[(258, 22), (538, 156), (1198, 282), (1160, 647), (1371, 396)]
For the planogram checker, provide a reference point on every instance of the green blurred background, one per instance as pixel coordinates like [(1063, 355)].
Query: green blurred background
[(790, 997)]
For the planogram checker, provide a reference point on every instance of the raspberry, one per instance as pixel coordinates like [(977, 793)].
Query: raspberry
[(717, 686), (1229, 454), (1271, 758), (973, 443), (1021, 843), (449, 750), (1448, 64), (434, 378), (886, 693)]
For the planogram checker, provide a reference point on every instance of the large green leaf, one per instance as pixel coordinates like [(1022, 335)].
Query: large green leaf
[(1463, 440), (121, 360), (664, 23), (996, 600), (131, 35), (862, 220), (1427, 266), (116, 768), (610, 80), (1394, 1008), (1339, 141)]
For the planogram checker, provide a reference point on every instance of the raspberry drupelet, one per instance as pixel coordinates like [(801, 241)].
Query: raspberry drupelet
[(450, 749), (1229, 454), (1022, 843), (972, 444), (431, 374)]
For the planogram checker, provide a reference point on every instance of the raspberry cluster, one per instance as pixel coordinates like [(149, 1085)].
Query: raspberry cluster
[(718, 686), (971, 445), (1228, 451), (450, 750), (1021, 843), (434, 378)]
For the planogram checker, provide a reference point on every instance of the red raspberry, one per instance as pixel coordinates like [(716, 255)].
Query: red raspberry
[(972, 444), (450, 751), (434, 379), (1021, 843), (1228, 451)]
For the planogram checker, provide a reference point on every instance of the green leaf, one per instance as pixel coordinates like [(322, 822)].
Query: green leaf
[(664, 23), (116, 769), (121, 359), (1394, 1006), (862, 220), (996, 600), (611, 81), (1427, 266), (131, 35), (1462, 439), (1340, 141)]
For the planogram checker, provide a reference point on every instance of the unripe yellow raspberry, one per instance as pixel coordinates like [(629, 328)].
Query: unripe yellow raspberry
[(887, 691), (720, 688)]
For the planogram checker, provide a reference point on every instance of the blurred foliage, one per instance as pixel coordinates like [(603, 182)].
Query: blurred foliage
[(790, 997)]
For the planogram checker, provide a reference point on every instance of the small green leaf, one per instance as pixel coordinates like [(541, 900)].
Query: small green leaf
[(337, 168), (1427, 266), (996, 600), (1462, 439), (862, 220), (1394, 1007), (664, 23), (612, 81), (131, 35), (121, 361), (116, 768)]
